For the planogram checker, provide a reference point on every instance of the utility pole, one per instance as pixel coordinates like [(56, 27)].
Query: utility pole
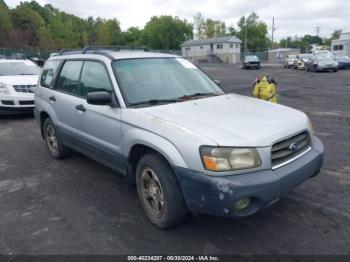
[(272, 31), (245, 38), (318, 31)]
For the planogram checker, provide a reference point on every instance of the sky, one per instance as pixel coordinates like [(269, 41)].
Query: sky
[(292, 18)]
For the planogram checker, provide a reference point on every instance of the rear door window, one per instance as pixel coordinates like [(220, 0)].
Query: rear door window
[(68, 80), (94, 77)]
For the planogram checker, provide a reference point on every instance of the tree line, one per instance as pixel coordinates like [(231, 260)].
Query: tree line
[(30, 25), (304, 42)]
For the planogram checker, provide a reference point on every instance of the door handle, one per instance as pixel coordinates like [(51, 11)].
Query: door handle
[(80, 107), (52, 99)]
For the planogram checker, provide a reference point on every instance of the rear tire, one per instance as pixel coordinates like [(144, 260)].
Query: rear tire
[(159, 192), (53, 141)]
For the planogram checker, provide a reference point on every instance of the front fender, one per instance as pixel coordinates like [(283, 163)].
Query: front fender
[(133, 136)]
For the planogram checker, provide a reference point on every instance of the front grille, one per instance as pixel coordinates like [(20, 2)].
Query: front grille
[(26, 102), (287, 149), (23, 88), (7, 102)]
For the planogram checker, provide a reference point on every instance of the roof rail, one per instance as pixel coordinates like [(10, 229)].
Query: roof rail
[(66, 50), (99, 50), (113, 48)]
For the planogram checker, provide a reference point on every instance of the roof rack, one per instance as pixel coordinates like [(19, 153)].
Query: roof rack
[(68, 50), (100, 50)]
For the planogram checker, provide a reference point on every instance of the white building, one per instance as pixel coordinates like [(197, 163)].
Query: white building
[(341, 46), (225, 49)]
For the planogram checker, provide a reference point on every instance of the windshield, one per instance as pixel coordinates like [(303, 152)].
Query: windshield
[(305, 56), (18, 68), (322, 53), (292, 56), (324, 58), (157, 79), (251, 58)]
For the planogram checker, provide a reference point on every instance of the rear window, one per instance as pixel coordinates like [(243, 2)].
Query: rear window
[(14, 68)]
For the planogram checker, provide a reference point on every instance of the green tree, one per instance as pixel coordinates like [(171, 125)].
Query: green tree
[(231, 30), (28, 23), (166, 32), (5, 24), (256, 31), (133, 37), (335, 35), (199, 26), (214, 28), (108, 32), (209, 28)]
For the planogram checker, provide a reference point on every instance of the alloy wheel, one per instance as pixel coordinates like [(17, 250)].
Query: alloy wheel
[(51, 139), (152, 192)]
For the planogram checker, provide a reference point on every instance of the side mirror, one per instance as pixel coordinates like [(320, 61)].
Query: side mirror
[(218, 82), (100, 98)]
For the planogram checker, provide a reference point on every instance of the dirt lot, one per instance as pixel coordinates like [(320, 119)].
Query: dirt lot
[(77, 206)]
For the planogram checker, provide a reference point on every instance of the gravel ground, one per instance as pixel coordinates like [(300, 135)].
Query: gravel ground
[(77, 206)]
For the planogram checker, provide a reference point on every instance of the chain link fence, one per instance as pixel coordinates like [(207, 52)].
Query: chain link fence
[(262, 55), (45, 54), (26, 52)]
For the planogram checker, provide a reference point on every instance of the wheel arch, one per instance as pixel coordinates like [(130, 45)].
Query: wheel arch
[(43, 116), (162, 147)]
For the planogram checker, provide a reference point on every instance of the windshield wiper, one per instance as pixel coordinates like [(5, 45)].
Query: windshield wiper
[(155, 102), (27, 74), (197, 95)]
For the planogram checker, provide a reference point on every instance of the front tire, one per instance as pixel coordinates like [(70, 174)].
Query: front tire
[(159, 192), (54, 143)]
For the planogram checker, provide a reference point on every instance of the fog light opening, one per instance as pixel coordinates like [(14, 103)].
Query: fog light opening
[(242, 204)]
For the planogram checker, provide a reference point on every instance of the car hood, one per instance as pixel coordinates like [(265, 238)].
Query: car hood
[(19, 80), (233, 120)]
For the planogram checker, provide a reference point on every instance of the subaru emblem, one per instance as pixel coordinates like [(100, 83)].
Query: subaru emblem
[(293, 147)]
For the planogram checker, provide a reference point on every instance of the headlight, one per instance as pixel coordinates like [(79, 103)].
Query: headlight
[(310, 127), (3, 89), (221, 159)]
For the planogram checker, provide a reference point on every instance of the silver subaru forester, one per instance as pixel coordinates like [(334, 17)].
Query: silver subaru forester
[(172, 131)]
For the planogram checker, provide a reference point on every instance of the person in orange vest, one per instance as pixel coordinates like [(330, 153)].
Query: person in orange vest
[(265, 88)]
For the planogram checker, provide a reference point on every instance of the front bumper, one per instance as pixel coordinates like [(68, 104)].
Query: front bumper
[(252, 65), (217, 195), (12, 110), (344, 66), (16, 104), (326, 68)]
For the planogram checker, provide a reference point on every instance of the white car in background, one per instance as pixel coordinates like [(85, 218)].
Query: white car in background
[(17, 78), (289, 61)]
